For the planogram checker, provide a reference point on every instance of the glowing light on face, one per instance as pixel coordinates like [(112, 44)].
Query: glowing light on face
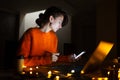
[(57, 24)]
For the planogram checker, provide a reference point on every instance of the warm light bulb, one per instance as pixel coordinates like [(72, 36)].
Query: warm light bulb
[(119, 73), (99, 78), (108, 72), (102, 78), (37, 67), (69, 74), (72, 71), (49, 74), (57, 77), (24, 66), (31, 69), (93, 78), (56, 72), (23, 72), (82, 72), (114, 66), (105, 78), (36, 73), (30, 72)]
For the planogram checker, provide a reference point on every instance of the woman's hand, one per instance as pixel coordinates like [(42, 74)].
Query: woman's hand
[(55, 57)]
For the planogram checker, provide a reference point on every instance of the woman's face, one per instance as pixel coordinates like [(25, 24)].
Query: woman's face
[(56, 23)]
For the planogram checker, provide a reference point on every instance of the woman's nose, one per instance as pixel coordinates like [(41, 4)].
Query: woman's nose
[(60, 26)]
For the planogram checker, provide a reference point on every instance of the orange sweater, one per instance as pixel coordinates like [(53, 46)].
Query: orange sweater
[(37, 46)]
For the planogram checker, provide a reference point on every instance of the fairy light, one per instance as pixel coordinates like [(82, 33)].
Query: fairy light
[(119, 73), (72, 71), (82, 72), (69, 74), (24, 66), (100, 78), (31, 68), (56, 72), (37, 67), (113, 66), (30, 72), (57, 77), (23, 72), (93, 78), (49, 74), (36, 73), (108, 73), (105, 78)]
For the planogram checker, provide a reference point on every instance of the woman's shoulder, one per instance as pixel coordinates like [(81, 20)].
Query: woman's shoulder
[(32, 29)]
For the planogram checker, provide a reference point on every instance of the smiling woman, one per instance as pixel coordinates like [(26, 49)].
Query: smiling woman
[(38, 44)]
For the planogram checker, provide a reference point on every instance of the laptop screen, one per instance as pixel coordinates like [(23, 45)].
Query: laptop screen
[(98, 56)]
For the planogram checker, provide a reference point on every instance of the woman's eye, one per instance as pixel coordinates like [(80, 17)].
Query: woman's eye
[(59, 22)]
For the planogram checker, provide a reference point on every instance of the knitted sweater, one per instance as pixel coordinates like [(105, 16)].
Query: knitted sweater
[(37, 47)]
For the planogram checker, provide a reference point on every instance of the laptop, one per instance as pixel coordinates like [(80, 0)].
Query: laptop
[(98, 57)]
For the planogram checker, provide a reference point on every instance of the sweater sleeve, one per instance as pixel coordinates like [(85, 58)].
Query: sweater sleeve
[(25, 44)]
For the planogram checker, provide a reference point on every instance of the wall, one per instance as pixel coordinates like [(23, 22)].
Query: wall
[(9, 28), (106, 22), (64, 36), (118, 29), (94, 24), (84, 30), (30, 19)]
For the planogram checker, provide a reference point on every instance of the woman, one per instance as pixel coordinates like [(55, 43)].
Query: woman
[(39, 45)]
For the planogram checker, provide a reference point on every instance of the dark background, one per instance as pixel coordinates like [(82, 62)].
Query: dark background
[(84, 26)]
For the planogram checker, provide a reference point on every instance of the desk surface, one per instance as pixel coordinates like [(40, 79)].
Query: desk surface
[(60, 69)]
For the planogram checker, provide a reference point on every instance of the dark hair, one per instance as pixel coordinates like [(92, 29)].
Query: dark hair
[(51, 11)]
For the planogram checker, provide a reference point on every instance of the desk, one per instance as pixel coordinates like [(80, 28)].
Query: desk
[(58, 69)]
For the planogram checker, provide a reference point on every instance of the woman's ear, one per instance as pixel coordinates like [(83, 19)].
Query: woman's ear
[(51, 19)]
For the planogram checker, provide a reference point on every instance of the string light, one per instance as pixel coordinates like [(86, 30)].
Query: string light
[(69, 74), (82, 72), (30, 72), (36, 73), (23, 72), (57, 77), (72, 71), (49, 74), (37, 67), (119, 73), (31, 69), (108, 73)]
